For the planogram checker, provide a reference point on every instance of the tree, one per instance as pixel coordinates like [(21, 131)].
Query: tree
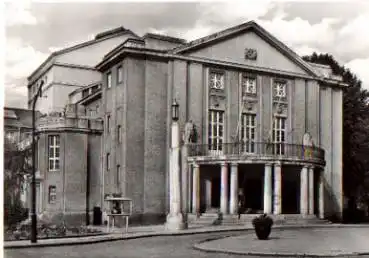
[(17, 167), (355, 127)]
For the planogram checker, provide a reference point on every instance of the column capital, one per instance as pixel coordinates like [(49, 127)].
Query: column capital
[(234, 164), (311, 167), (278, 164), (268, 164), (195, 165), (223, 163)]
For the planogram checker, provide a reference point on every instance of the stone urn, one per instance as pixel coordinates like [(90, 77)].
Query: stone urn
[(263, 226)]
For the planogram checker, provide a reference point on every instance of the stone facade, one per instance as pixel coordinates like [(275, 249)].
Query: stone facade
[(243, 90), (69, 165)]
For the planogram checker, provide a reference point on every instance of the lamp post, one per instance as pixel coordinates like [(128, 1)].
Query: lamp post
[(33, 208), (175, 217)]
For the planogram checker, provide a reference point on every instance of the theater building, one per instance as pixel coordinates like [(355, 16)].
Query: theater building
[(268, 126)]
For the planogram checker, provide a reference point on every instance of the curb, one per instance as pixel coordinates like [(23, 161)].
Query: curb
[(214, 250), (116, 237), (198, 247)]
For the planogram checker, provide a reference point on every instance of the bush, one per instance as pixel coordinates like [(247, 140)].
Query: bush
[(14, 213)]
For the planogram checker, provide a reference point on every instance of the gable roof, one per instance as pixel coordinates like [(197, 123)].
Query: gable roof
[(98, 38), (233, 31), (18, 117)]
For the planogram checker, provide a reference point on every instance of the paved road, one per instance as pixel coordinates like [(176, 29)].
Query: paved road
[(160, 247)]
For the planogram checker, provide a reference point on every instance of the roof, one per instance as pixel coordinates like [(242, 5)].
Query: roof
[(83, 88), (18, 117), (165, 38), (224, 34), (99, 37)]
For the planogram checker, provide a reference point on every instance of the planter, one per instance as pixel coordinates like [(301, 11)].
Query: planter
[(263, 232), (263, 226)]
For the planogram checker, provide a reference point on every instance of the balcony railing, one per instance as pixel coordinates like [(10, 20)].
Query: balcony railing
[(258, 149)]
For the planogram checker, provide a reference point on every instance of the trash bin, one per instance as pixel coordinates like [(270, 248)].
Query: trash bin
[(97, 216)]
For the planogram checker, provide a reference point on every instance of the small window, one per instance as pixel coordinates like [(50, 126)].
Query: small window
[(108, 80), (108, 161), (52, 194), (119, 74), (119, 134), (280, 89), (216, 80), (118, 176), (248, 85), (108, 124)]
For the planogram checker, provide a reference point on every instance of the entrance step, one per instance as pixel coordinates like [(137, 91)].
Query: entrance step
[(207, 219)]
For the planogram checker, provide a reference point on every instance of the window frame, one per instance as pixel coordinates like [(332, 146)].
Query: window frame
[(53, 160), (109, 80), (279, 134), (119, 133), (245, 87), (108, 161), (118, 171), (52, 194), (120, 74), (222, 80), (108, 123), (276, 89), (248, 132), (216, 138)]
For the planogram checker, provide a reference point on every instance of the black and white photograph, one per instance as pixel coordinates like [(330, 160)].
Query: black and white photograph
[(135, 129)]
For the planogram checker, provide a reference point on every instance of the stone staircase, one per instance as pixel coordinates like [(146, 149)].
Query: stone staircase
[(208, 219)]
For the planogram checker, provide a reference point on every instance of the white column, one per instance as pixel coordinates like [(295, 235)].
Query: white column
[(208, 193), (233, 205), (196, 189), (268, 189), (224, 188), (321, 194), (277, 189), (304, 191), (311, 190), (175, 218)]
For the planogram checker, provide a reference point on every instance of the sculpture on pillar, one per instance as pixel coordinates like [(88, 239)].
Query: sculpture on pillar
[(190, 134), (308, 143)]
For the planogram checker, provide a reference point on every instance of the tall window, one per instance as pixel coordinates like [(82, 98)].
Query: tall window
[(119, 135), (118, 176), (108, 80), (108, 161), (119, 74), (248, 126), (216, 80), (248, 85), (216, 130), (54, 152), (280, 89), (279, 134), (108, 123)]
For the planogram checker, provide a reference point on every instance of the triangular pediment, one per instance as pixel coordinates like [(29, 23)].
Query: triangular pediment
[(247, 44)]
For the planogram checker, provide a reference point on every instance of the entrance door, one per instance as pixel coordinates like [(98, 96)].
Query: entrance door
[(215, 193), (290, 197), (253, 190)]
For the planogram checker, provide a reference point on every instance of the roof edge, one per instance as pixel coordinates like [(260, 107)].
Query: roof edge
[(80, 45)]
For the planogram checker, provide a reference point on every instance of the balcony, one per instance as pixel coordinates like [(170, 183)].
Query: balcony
[(254, 152)]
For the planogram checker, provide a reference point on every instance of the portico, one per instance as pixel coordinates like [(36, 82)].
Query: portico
[(277, 186)]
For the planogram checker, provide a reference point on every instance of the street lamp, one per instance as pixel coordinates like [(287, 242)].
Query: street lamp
[(175, 218), (175, 111), (33, 208)]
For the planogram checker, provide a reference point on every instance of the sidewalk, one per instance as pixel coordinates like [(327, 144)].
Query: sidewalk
[(145, 231)]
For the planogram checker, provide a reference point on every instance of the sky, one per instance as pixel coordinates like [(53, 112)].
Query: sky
[(33, 30)]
